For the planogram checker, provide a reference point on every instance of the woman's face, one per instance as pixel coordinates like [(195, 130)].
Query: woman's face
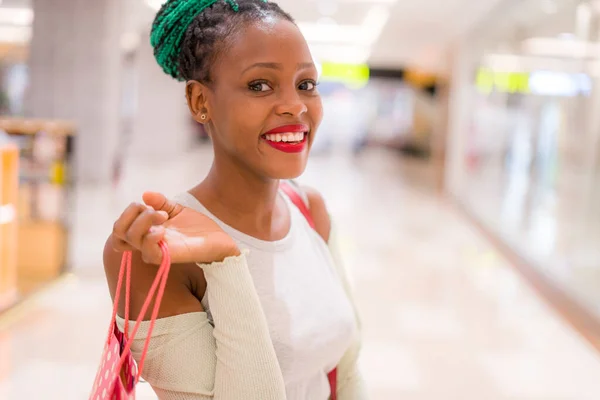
[(264, 108)]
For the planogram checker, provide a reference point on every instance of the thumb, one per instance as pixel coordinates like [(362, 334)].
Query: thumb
[(159, 202)]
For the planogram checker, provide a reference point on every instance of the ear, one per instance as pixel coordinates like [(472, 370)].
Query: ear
[(195, 93)]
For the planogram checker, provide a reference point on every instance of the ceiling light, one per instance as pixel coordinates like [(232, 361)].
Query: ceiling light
[(551, 47), (518, 63), (15, 34), (16, 16), (330, 33), (340, 54), (365, 34)]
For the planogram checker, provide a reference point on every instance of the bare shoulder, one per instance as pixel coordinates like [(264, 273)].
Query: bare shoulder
[(318, 210), (182, 293)]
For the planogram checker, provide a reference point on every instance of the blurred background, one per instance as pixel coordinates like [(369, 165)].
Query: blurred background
[(459, 156)]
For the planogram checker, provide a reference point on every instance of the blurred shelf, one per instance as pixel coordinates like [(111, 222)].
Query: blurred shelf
[(9, 169), (22, 126), (39, 238)]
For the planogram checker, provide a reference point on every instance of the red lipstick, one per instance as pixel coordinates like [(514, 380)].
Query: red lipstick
[(288, 138), (288, 128)]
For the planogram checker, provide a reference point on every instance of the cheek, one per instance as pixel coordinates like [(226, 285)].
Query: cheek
[(240, 118), (315, 111), (250, 116)]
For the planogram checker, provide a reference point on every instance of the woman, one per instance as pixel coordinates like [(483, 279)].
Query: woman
[(255, 307)]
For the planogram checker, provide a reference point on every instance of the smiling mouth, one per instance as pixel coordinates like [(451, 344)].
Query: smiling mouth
[(289, 137), (288, 142)]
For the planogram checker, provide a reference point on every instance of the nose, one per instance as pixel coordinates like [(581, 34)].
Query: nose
[(291, 104)]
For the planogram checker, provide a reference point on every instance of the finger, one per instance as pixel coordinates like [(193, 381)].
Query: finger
[(160, 216), (160, 203), (122, 224), (151, 252), (142, 224), (121, 246)]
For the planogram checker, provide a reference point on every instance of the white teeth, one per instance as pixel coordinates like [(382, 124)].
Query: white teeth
[(285, 137)]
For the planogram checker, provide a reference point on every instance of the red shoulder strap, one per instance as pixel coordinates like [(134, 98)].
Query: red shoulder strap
[(332, 376), (295, 197)]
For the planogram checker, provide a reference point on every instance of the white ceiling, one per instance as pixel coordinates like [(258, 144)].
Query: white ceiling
[(417, 32), (522, 19), (563, 38), (401, 33)]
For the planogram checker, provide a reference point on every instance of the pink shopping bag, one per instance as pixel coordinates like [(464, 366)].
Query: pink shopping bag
[(118, 373)]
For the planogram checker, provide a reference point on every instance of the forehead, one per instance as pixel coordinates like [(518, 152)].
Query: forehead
[(269, 40)]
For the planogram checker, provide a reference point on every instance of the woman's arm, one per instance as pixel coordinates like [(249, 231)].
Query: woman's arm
[(234, 360), (247, 366)]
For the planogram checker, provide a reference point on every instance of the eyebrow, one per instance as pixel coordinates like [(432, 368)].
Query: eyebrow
[(277, 66)]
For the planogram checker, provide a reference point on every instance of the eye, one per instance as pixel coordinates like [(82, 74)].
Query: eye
[(308, 85), (259, 86)]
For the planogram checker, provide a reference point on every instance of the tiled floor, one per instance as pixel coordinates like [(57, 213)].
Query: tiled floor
[(445, 317)]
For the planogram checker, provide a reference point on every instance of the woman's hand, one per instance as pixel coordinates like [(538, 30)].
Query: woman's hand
[(192, 237)]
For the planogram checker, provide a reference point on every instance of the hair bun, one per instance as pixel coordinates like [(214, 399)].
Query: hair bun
[(169, 28)]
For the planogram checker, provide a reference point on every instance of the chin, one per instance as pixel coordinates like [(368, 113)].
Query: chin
[(288, 170)]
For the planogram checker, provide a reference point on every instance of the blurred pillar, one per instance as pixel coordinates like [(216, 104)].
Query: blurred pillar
[(439, 140), (458, 115), (162, 125), (591, 210), (74, 74), (440, 137)]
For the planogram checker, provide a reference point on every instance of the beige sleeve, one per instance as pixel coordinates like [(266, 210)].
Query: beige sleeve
[(350, 383), (247, 366)]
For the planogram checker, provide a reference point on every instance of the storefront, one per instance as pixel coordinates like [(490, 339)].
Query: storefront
[(524, 159), (34, 200)]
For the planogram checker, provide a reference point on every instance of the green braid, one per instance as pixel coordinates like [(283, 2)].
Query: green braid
[(170, 26)]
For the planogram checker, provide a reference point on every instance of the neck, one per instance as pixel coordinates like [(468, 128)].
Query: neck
[(240, 198)]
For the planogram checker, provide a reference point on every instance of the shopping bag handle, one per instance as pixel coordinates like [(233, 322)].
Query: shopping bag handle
[(159, 283)]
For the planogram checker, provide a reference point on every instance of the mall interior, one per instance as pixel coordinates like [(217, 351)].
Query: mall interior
[(459, 157)]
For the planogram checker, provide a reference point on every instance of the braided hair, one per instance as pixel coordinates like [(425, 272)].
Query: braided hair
[(188, 35)]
